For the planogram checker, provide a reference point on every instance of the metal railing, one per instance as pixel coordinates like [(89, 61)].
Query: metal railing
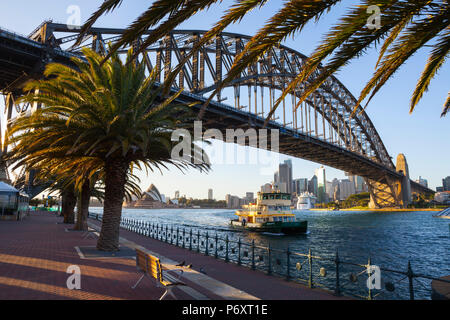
[(335, 274)]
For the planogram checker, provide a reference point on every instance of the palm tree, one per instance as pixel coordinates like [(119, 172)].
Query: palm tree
[(112, 112), (48, 158), (406, 27)]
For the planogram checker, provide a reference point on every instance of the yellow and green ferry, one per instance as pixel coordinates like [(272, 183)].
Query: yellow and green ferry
[(271, 213)]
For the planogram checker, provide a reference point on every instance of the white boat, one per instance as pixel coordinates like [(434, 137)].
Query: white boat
[(306, 201)]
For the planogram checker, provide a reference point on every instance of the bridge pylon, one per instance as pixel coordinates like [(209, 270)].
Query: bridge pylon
[(388, 192)]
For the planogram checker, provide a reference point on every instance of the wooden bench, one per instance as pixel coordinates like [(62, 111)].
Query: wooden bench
[(151, 266)]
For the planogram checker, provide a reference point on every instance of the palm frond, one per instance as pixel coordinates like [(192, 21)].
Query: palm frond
[(107, 6), (412, 39), (435, 61), (446, 106)]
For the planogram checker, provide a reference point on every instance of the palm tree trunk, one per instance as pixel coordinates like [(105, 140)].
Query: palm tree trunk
[(115, 179), (69, 206), (83, 207)]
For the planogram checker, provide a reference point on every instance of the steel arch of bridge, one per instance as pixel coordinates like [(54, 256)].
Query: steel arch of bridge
[(324, 115), (320, 130)]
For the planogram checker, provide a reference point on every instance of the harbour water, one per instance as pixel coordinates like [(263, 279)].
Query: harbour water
[(390, 239)]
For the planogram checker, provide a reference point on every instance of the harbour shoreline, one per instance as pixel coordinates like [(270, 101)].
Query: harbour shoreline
[(382, 210)]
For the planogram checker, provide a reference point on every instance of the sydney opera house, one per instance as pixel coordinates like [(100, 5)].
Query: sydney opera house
[(151, 199)]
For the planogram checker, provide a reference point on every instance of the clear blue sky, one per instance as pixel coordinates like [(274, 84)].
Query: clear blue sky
[(423, 136)]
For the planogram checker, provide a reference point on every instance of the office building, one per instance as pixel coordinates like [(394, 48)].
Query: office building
[(210, 194), (250, 196), (346, 189), (446, 183), (283, 177), (300, 186), (312, 185), (321, 185)]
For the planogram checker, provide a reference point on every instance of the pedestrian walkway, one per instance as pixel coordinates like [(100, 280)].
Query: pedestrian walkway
[(35, 254)]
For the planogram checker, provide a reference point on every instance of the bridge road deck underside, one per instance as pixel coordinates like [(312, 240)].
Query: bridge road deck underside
[(293, 143)]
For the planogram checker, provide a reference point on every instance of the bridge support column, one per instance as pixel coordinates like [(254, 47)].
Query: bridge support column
[(387, 192)]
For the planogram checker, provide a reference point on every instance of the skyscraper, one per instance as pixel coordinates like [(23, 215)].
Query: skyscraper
[(358, 183), (312, 185), (283, 177), (177, 194), (300, 185), (321, 185)]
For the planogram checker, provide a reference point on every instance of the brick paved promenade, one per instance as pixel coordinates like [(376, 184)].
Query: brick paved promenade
[(35, 254)]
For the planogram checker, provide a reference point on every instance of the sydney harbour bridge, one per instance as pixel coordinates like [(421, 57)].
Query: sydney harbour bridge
[(320, 129)]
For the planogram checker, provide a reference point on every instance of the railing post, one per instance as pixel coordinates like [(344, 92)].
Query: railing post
[(198, 240), (178, 235), (171, 234), (310, 281), (337, 290), (167, 232), (206, 247), (253, 255), (226, 249), (269, 267), (239, 252), (190, 239), (288, 263), (217, 240), (369, 297), (410, 278)]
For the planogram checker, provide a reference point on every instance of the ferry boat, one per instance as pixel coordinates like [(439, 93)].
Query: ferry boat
[(306, 201), (271, 213)]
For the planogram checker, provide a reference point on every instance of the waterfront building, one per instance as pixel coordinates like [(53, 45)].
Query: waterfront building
[(422, 182), (250, 196), (177, 194), (446, 183), (442, 197), (321, 185), (439, 189), (283, 177), (210, 194), (234, 202)]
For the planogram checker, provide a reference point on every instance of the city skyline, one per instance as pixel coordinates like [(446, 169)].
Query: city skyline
[(398, 130)]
